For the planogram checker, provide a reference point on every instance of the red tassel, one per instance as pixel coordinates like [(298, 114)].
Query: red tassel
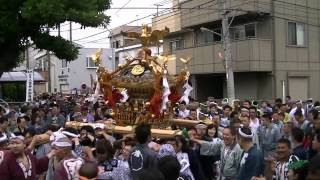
[(110, 100), (174, 97), (117, 96), (155, 104)]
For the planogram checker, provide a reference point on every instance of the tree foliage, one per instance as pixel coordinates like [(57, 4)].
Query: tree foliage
[(22, 21)]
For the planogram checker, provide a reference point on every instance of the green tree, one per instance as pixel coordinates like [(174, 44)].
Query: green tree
[(26, 21)]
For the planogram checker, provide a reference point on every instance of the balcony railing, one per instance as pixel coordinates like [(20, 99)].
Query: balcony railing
[(247, 55)]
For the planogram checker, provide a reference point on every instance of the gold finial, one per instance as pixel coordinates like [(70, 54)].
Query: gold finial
[(147, 36), (145, 32), (185, 62), (166, 58), (97, 56)]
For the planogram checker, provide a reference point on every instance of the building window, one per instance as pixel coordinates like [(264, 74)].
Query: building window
[(243, 32), (173, 45), (64, 63), (116, 61), (177, 44), (208, 37), (250, 30), (296, 34), (116, 44), (42, 63), (239, 33), (91, 63)]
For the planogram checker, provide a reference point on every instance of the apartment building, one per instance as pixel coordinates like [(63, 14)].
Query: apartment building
[(275, 46)]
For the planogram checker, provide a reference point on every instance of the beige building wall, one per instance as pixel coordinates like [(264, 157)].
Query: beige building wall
[(299, 67), (247, 55), (170, 20), (269, 53), (202, 11)]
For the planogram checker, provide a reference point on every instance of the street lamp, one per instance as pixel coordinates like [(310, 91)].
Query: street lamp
[(209, 30)]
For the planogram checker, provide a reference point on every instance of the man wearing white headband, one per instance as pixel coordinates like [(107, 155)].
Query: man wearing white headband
[(69, 164), (252, 162), (74, 137), (19, 163)]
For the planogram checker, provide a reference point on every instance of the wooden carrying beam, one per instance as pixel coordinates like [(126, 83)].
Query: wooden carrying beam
[(186, 122), (123, 129), (157, 133)]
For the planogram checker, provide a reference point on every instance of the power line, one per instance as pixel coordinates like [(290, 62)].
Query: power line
[(96, 40), (198, 7), (161, 18), (178, 12), (68, 30), (122, 7), (127, 24), (124, 25), (232, 9), (164, 8), (91, 35), (164, 2), (262, 3), (153, 14)]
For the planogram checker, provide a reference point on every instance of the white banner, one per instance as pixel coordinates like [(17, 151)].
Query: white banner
[(29, 86)]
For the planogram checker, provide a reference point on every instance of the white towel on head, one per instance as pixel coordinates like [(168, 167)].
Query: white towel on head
[(57, 135)]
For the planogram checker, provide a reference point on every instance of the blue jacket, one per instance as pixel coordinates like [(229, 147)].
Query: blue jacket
[(142, 157), (252, 164), (300, 152)]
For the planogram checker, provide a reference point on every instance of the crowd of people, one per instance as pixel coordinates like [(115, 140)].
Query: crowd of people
[(241, 140)]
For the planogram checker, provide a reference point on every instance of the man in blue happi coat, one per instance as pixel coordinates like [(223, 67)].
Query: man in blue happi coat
[(252, 162)]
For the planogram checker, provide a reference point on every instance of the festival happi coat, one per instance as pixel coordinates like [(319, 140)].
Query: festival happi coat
[(141, 90)]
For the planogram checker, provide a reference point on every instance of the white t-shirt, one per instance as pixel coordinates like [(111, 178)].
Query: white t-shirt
[(184, 113), (254, 125), (291, 115)]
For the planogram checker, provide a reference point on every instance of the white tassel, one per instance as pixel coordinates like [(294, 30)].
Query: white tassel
[(97, 92), (165, 94), (125, 95), (186, 92)]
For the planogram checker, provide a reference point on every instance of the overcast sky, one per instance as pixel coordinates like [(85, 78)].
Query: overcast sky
[(118, 18)]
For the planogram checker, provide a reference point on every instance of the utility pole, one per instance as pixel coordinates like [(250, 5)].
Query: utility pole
[(70, 34), (137, 16), (59, 31), (49, 66), (157, 8), (27, 55), (158, 46), (227, 51)]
